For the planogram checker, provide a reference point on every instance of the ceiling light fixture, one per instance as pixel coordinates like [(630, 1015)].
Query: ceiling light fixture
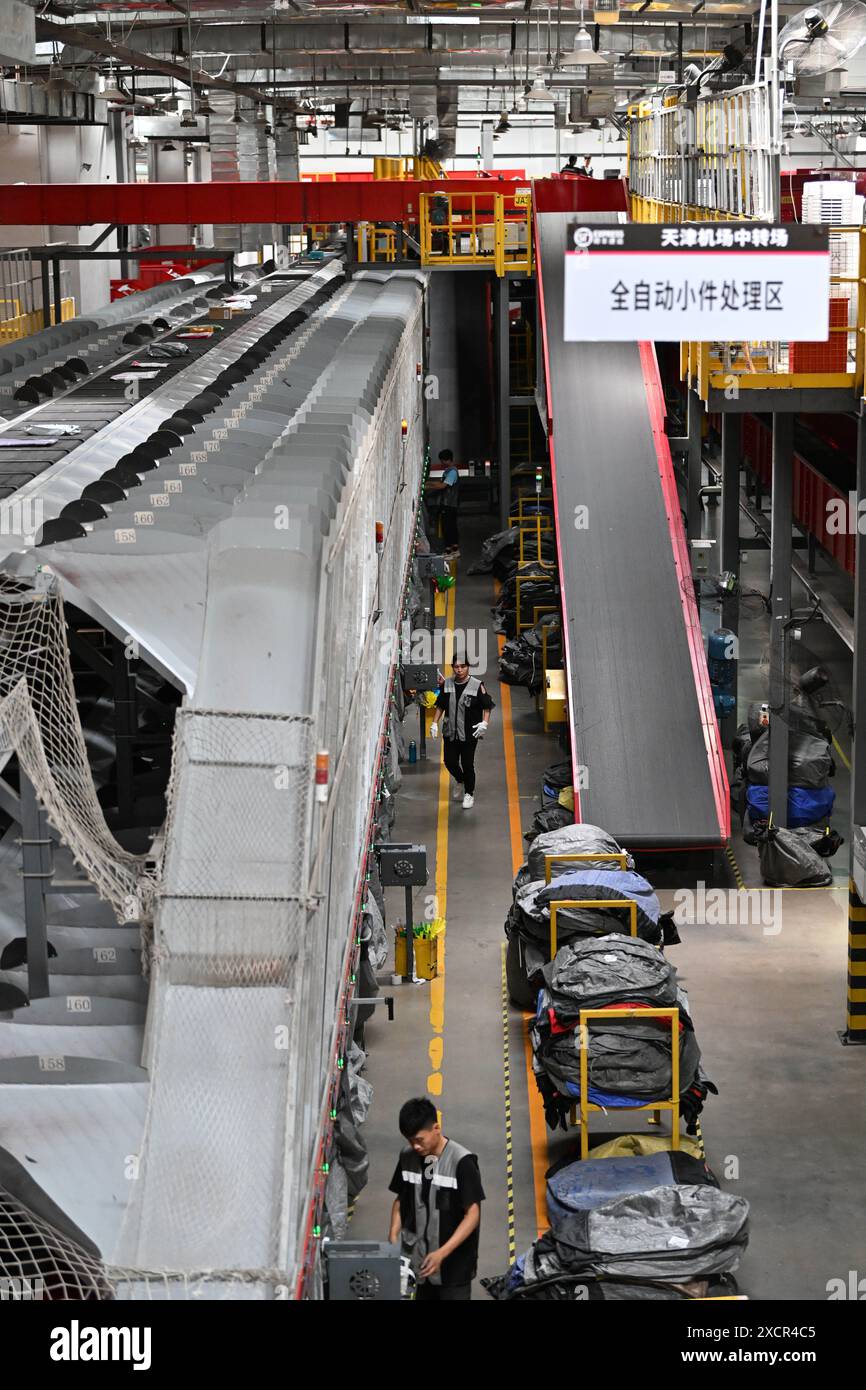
[(539, 91), (583, 55), (112, 91), (57, 82)]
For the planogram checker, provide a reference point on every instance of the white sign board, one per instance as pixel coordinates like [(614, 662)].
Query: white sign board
[(698, 282)]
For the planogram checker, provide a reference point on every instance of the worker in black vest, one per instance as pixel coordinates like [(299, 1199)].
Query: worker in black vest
[(466, 707), (437, 1206)]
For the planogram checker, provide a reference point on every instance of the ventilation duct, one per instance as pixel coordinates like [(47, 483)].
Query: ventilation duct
[(446, 113), (236, 157), (32, 103)]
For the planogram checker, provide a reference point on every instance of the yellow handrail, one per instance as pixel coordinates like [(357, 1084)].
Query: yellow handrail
[(481, 238)]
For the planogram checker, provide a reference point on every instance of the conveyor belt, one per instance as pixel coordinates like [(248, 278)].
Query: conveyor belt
[(640, 705)]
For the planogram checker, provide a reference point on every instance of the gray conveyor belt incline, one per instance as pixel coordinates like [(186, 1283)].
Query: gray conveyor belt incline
[(635, 711)]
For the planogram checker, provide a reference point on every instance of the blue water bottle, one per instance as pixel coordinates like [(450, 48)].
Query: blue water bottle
[(413, 751)]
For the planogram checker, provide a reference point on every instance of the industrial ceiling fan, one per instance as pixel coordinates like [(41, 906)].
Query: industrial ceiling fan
[(821, 39)]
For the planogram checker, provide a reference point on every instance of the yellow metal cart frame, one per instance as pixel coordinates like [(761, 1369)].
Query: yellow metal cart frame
[(551, 859), (591, 902), (520, 579), (581, 1111)]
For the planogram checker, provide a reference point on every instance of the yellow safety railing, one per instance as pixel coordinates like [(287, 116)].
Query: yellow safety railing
[(741, 366), (473, 229), (407, 167), (521, 515), (703, 160), (581, 1112), (563, 903), (709, 161), (533, 528), (19, 325), (375, 243), (522, 356), (542, 573)]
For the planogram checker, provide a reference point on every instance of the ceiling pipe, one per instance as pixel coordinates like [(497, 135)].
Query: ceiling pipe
[(93, 43)]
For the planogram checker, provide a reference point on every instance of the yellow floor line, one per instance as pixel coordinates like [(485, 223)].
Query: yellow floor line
[(792, 888), (537, 1125), (436, 1046)]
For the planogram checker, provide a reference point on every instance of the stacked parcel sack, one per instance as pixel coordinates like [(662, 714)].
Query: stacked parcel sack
[(796, 855), (630, 1061), (633, 1221), (527, 926), (522, 660), (538, 589)]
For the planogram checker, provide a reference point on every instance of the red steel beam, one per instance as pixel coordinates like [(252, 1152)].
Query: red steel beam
[(384, 200)]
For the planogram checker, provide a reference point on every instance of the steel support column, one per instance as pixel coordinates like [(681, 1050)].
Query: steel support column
[(855, 1020), (729, 544), (695, 466), (781, 522), (501, 359), (58, 293), (37, 861)]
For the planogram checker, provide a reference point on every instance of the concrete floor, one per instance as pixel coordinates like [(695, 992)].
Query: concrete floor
[(788, 1128)]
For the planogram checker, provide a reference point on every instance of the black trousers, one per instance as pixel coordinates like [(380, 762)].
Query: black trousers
[(449, 526), (450, 1293), (459, 756)]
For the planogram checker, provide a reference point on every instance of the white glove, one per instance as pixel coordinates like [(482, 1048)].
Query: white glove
[(434, 730), (479, 730)]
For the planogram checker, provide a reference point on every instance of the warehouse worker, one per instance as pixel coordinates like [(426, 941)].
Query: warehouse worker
[(437, 1206), (449, 486), (466, 707)]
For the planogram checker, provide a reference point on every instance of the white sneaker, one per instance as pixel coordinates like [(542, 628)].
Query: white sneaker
[(457, 792), (468, 802)]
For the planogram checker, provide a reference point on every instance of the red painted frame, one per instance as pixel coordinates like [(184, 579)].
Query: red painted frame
[(383, 200)]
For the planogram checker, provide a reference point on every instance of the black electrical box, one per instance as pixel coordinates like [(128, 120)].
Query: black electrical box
[(432, 566), (419, 676), (362, 1271), (403, 866)]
